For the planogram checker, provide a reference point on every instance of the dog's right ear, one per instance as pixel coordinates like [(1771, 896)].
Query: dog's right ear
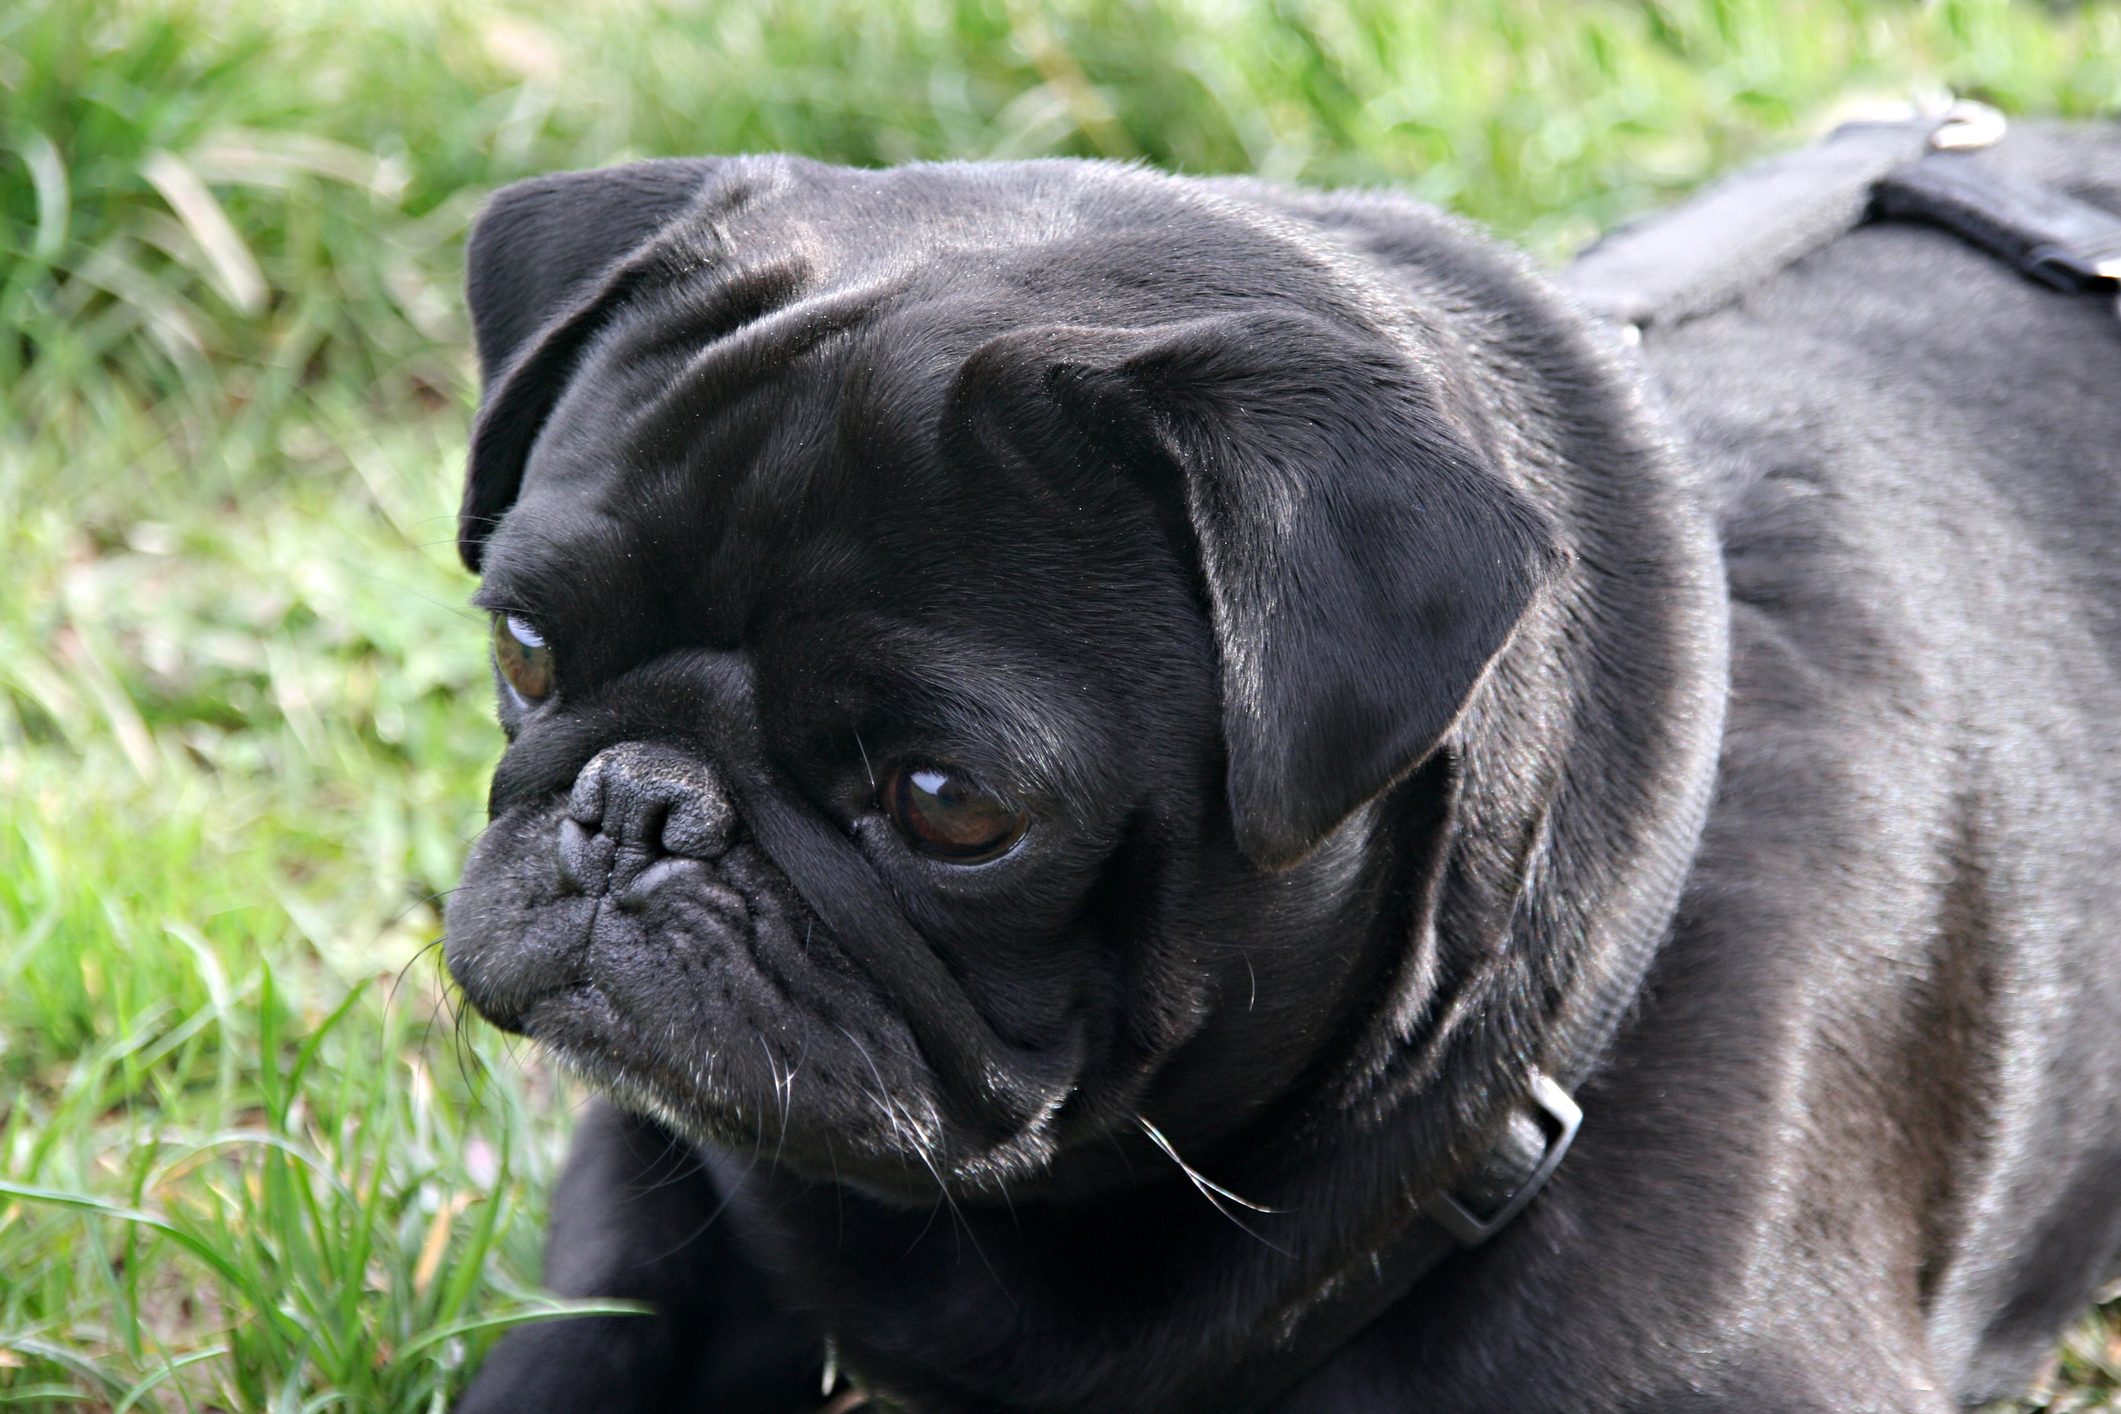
[(548, 258), (1364, 559)]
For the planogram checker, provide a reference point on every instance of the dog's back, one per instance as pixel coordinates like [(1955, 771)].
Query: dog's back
[(1890, 1009), (1916, 853)]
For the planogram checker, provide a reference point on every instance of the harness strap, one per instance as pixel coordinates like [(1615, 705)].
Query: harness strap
[(2049, 235), (1673, 267), (1741, 230)]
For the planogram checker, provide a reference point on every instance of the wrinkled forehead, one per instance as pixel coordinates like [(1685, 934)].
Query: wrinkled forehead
[(808, 482), (759, 425)]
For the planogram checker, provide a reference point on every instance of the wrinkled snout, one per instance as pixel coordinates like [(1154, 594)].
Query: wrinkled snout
[(622, 877)]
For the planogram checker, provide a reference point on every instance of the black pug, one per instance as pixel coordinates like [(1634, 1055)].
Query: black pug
[(1084, 745)]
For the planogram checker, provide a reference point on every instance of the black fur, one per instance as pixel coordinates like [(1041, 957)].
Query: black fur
[(1383, 659)]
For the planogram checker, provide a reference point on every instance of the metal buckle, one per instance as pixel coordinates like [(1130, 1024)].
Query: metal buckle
[(1560, 1117), (1967, 126)]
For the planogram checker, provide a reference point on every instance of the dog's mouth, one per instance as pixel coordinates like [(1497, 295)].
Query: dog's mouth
[(707, 993)]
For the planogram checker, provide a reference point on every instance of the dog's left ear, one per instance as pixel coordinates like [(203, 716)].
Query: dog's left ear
[(1363, 562), (546, 260)]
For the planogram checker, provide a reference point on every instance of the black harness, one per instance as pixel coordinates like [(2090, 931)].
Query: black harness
[(1656, 274), (1707, 253)]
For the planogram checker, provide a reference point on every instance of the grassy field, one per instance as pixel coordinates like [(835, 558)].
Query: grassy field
[(248, 1161)]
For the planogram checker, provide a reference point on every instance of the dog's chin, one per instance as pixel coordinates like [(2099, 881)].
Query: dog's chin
[(889, 1147)]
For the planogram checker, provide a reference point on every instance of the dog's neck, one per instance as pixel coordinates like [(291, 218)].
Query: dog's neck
[(1525, 947)]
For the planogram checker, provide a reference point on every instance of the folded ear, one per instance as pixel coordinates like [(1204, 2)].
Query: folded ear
[(1363, 563), (547, 258)]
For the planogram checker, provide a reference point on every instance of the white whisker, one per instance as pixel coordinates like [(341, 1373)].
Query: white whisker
[(1206, 1185)]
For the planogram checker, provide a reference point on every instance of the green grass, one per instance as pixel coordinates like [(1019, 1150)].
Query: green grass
[(247, 1162)]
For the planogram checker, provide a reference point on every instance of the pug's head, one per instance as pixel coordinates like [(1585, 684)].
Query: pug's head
[(974, 644)]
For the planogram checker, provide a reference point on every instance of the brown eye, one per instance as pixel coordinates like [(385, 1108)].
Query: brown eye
[(523, 658), (947, 816)]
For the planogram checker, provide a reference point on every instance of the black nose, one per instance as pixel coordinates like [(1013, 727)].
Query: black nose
[(635, 806)]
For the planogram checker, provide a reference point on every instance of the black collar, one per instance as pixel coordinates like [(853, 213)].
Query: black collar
[(1492, 1190)]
